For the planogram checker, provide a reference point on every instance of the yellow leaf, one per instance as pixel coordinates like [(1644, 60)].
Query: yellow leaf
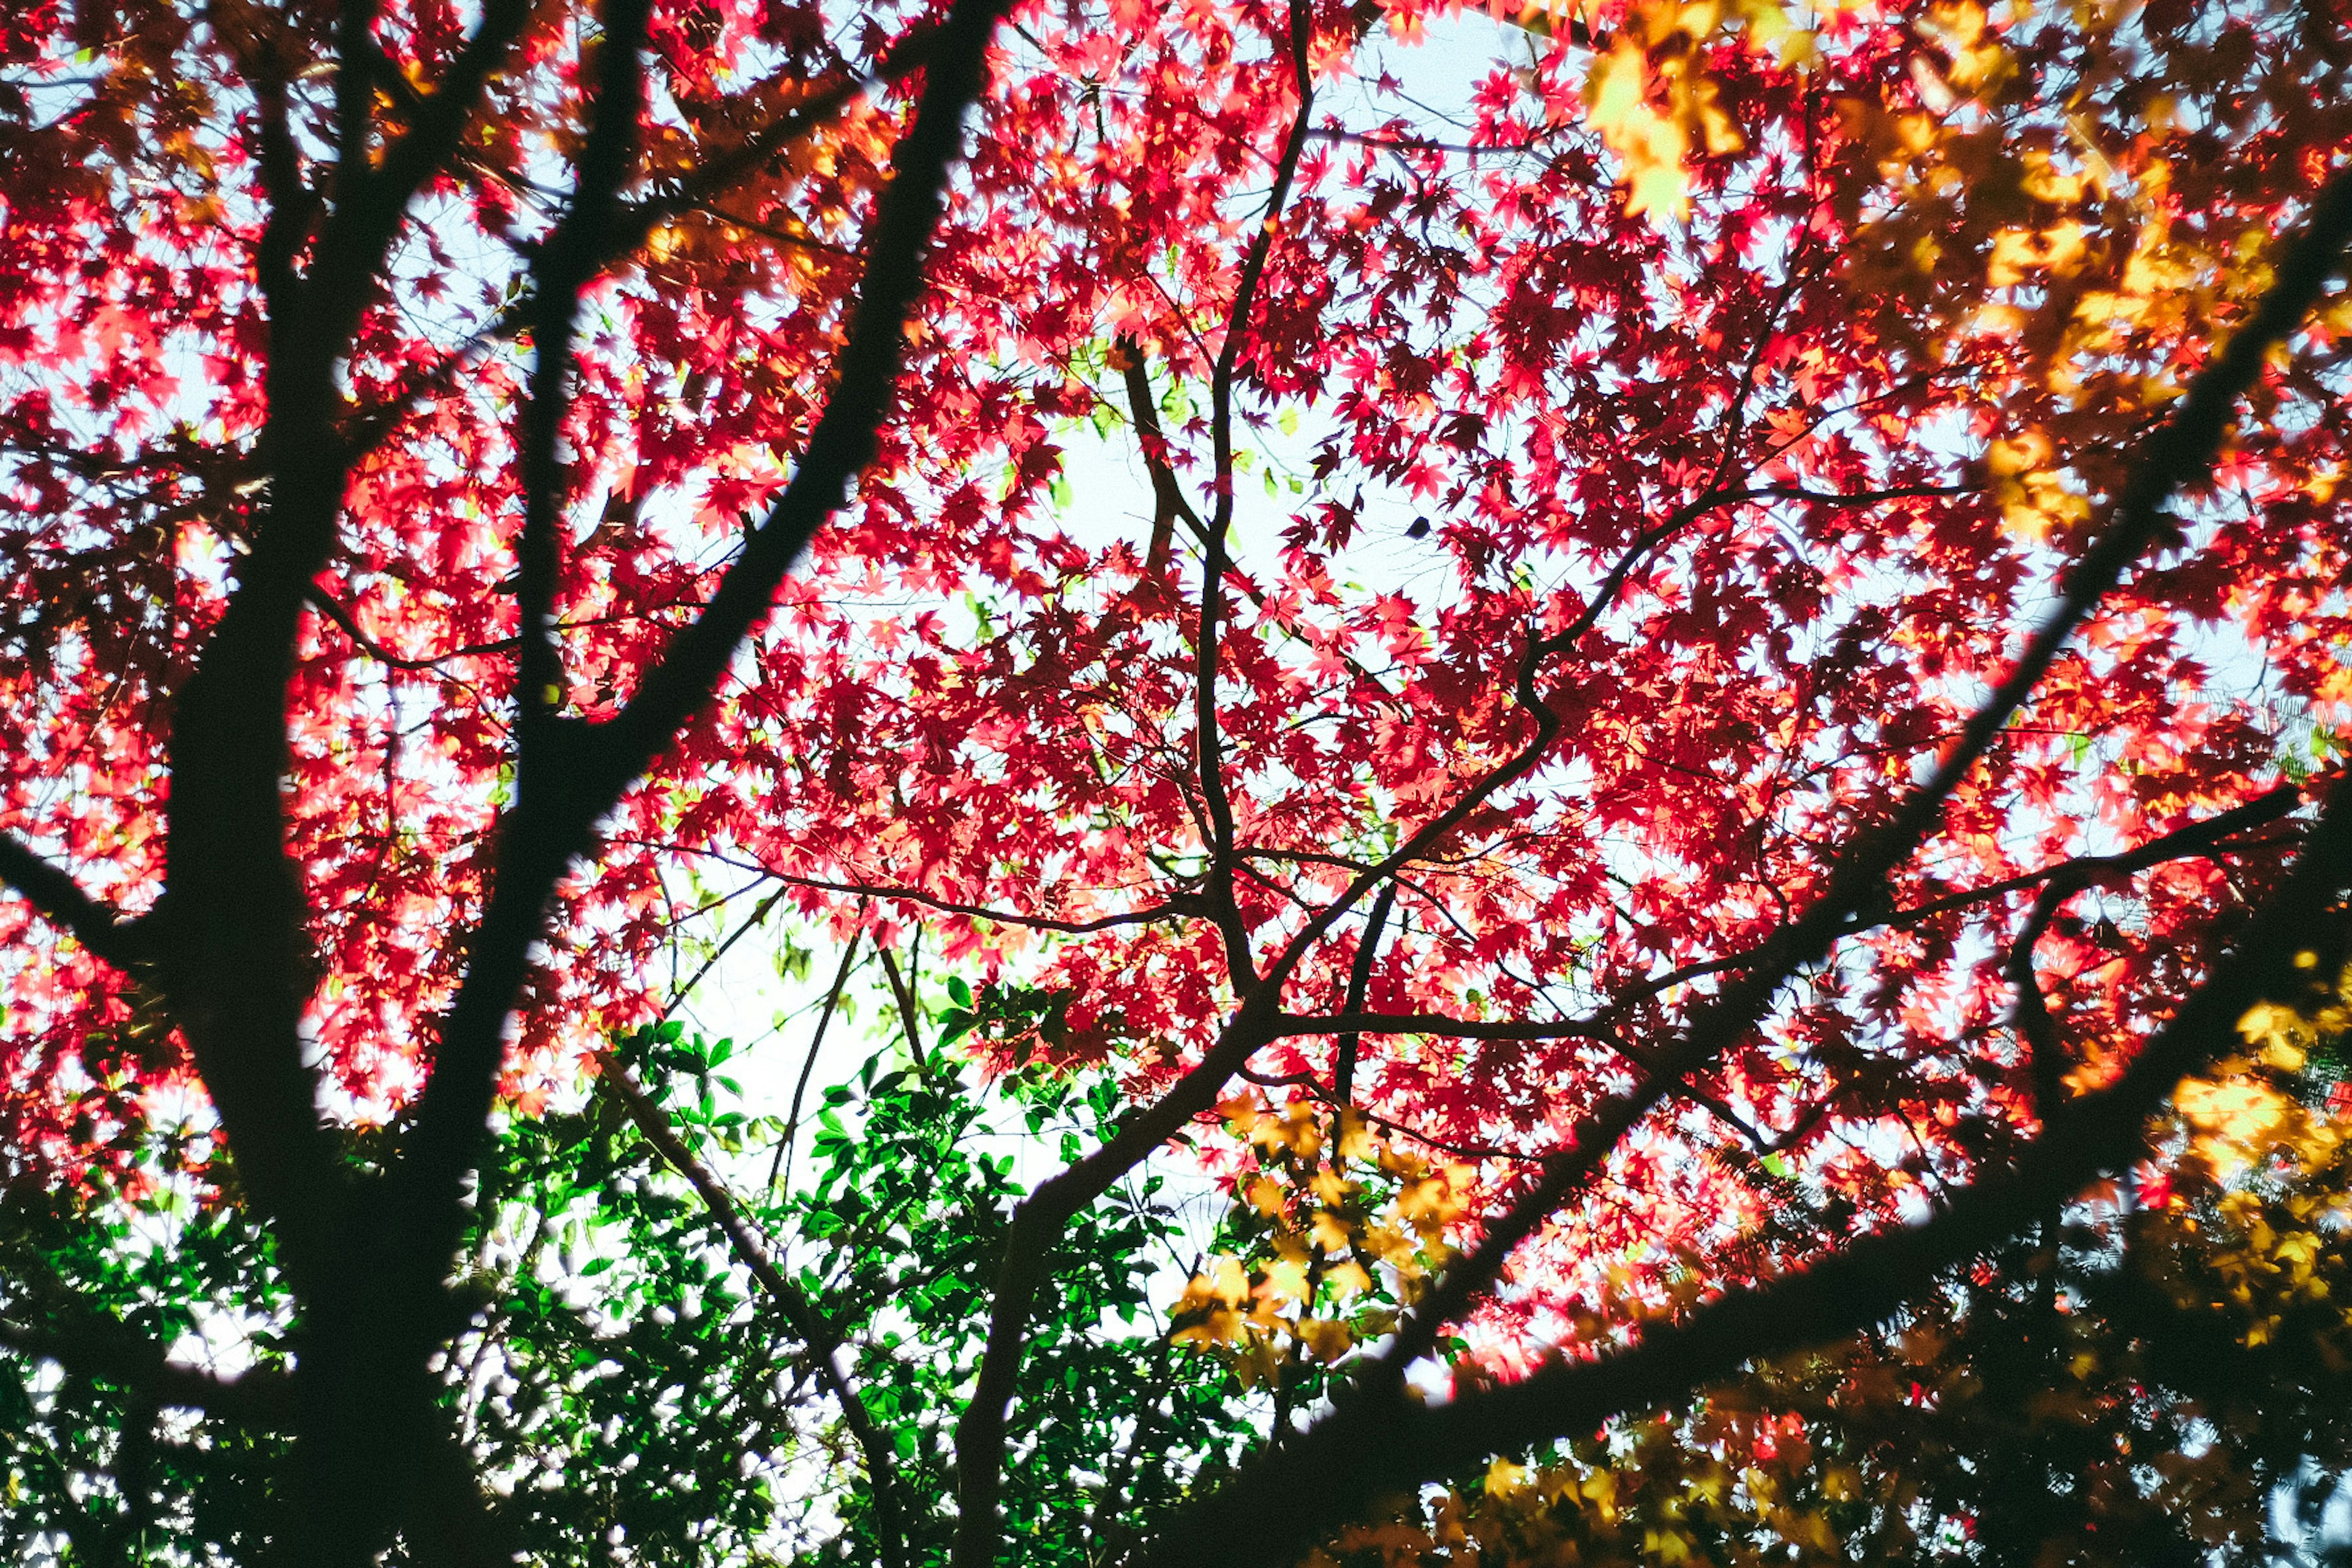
[(2283, 1056), (1325, 1341), (1648, 145), (2267, 1023), (2059, 250), (1241, 1113), (1390, 1244), (1225, 1283), (2233, 1118), (2018, 454), (1666, 1545), (1220, 1326), (1296, 1129)]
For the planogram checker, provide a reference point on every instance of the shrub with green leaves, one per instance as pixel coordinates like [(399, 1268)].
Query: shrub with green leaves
[(626, 1384)]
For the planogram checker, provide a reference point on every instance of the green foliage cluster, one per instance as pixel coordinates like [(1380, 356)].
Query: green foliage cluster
[(910, 1203), (629, 1391), (91, 1471)]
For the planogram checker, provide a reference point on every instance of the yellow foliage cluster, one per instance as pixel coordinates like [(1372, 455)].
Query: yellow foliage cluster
[(1653, 141), (2273, 1266), (2022, 228), (2244, 1111), (2279, 1168), (2024, 1378), (1731, 1489), (2011, 221), (1650, 96), (1345, 1228)]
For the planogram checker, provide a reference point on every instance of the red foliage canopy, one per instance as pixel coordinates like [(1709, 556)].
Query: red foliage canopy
[(1586, 530)]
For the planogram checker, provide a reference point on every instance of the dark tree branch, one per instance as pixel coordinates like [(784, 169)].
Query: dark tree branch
[(636, 222), (760, 912), (238, 970), (1455, 1147), (371, 206), (1359, 980), (448, 1522), (237, 967), (1168, 500), (1038, 1221), (547, 831), (561, 269), (1209, 760), (822, 102), (59, 899), (843, 441), (336, 611), (910, 1016), (1383, 1443), (1315, 1089), (1431, 833), (2044, 1050), (783, 237), (1292, 1370), (112, 1352), (1149, 914), (378, 1338), (2045, 1054), (293, 206), (1652, 540), (2197, 838), (2060, 881), (1169, 503), (2176, 455), (1355, 1025), (355, 78), (783, 1162)]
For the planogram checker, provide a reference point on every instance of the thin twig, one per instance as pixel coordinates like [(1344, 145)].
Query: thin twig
[(784, 1162), (808, 1322)]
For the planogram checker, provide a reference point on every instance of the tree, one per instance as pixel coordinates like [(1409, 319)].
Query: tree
[(1852, 709)]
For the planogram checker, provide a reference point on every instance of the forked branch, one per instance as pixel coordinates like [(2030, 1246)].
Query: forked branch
[(600, 761), (1039, 1220)]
